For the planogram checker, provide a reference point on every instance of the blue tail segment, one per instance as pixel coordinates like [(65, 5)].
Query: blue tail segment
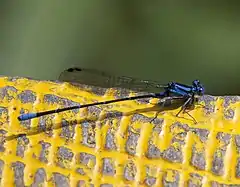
[(28, 116)]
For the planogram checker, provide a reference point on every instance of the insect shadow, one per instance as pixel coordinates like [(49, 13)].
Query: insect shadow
[(167, 105)]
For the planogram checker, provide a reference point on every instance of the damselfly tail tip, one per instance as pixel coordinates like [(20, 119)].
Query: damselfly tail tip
[(19, 118), (28, 116)]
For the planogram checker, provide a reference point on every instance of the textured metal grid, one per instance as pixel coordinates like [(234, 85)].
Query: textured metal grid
[(114, 145)]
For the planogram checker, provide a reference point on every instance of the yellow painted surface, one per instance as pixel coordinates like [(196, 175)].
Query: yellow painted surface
[(175, 144)]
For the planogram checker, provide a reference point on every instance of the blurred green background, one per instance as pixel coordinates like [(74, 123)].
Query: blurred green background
[(156, 40)]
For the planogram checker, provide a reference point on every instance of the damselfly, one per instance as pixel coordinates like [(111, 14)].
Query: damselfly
[(172, 90)]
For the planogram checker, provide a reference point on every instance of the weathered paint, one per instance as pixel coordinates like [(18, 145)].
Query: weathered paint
[(114, 145)]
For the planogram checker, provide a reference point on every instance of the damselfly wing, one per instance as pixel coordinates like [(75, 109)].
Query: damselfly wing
[(97, 78)]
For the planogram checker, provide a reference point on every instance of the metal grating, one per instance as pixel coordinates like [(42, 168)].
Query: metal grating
[(114, 145)]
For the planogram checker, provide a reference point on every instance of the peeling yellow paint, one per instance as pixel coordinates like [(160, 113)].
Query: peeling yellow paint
[(172, 138)]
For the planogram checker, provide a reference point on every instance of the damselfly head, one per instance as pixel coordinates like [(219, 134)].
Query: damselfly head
[(198, 87)]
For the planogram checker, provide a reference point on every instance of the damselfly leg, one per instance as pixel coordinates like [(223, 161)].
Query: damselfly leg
[(190, 101)]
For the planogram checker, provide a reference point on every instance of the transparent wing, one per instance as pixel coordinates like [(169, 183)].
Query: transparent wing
[(102, 79)]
